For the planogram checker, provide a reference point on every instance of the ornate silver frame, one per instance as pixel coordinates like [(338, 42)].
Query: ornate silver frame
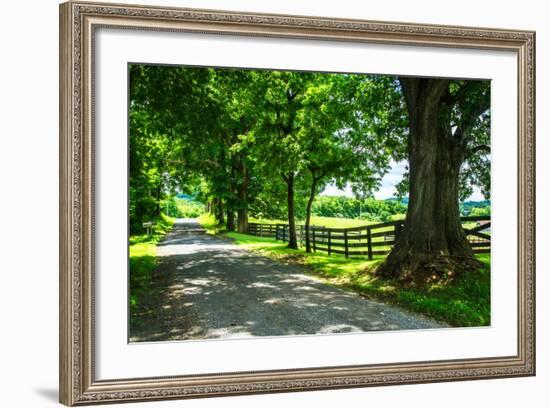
[(78, 20)]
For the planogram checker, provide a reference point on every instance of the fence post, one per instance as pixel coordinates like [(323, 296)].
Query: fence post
[(329, 241), (301, 235), (284, 233), (313, 239), (369, 243), (276, 232), (346, 243)]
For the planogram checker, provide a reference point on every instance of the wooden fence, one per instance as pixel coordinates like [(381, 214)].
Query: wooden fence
[(368, 240)]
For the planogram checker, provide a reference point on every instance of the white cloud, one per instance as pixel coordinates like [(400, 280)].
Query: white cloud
[(390, 180), (476, 195), (386, 190), (332, 190)]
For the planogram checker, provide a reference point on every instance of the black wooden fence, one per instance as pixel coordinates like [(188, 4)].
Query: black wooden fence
[(368, 240)]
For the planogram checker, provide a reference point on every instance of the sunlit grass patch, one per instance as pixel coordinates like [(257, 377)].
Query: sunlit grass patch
[(253, 242), (334, 222), (210, 224), (329, 222), (269, 221)]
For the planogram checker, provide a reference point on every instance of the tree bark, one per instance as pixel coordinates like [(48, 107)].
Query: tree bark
[(432, 244), (230, 226), (292, 241), (158, 198), (219, 212), (213, 206), (242, 208), (222, 170), (242, 220), (313, 190), (231, 202)]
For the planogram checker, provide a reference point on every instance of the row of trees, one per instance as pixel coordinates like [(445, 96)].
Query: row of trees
[(262, 140), (347, 207)]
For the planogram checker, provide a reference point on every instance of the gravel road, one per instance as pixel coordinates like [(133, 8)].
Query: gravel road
[(207, 287)]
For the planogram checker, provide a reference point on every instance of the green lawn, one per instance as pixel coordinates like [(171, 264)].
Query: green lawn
[(334, 222), (330, 222), (143, 253), (464, 302)]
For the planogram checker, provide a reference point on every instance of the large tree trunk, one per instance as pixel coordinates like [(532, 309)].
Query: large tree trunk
[(432, 244), (222, 170), (231, 202), (242, 220), (158, 198), (230, 220), (213, 206), (292, 241), (219, 212), (242, 208), (312, 192)]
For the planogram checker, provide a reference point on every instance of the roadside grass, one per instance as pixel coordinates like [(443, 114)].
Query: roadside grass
[(464, 302), (142, 260), (210, 224)]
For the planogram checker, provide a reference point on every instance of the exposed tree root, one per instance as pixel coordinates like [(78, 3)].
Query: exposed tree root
[(427, 268)]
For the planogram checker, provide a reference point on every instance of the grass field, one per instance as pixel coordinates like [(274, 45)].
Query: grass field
[(464, 302), (329, 222)]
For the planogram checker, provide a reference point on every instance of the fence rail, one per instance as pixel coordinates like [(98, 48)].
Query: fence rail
[(368, 240)]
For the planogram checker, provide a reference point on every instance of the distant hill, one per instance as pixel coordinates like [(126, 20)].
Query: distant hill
[(404, 200), (482, 203), (466, 207), (476, 208), (184, 196)]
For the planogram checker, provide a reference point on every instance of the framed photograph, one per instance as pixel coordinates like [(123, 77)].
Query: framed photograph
[(254, 203)]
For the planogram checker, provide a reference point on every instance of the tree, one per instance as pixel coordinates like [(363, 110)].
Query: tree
[(159, 127), (448, 122), (239, 98), (338, 141), (205, 112), (252, 138), (279, 145)]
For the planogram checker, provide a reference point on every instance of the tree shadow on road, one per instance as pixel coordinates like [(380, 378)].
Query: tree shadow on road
[(230, 293)]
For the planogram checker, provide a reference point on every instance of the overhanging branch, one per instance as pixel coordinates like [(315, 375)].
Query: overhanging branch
[(479, 148)]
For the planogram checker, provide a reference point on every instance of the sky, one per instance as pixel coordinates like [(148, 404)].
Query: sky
[(387, 189)]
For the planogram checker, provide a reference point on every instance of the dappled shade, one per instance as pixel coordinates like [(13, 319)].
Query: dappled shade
[(214, 289)]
